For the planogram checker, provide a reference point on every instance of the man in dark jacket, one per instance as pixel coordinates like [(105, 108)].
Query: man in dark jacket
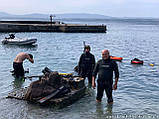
[(86, 64), (105, 68)]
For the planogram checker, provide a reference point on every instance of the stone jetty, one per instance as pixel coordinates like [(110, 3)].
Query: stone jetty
[(44, 26)]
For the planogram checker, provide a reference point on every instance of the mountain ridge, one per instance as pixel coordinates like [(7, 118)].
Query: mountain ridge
[(4, 15)]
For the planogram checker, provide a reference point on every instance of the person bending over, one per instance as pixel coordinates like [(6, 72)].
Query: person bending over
[(18, 63)]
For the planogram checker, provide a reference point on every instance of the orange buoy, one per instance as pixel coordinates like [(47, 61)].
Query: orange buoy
[(116, 58)]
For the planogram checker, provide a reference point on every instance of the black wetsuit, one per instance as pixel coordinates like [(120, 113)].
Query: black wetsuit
[(18, 69), (86, 65), (105, 69)]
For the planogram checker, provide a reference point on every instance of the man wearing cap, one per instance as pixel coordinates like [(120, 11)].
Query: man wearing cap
[(86, 64)]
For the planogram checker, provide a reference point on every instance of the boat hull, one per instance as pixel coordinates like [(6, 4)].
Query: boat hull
[(61, 102), (77, 91), (19, 41), (136, 62)]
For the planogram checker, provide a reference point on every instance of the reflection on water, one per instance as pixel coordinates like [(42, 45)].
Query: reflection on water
[(29, 47), (104, 112), (18, 82), (138, 86)]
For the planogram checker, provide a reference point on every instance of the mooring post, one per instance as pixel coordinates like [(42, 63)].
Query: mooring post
[(51, 19)]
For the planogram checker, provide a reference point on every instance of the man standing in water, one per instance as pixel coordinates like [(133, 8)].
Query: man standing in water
[(105, 68), (86, 64), (18, 63)]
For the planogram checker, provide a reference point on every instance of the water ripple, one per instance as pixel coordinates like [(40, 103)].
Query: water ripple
[(138, 85)]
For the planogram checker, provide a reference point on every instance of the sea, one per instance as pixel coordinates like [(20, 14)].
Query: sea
[(137, 95)]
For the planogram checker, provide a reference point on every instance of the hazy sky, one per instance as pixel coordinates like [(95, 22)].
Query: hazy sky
[(116, 8)]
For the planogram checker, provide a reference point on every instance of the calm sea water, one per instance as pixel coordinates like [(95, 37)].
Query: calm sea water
[(138, 86)]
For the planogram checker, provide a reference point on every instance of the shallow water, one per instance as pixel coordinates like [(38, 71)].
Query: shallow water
[(138, 87)]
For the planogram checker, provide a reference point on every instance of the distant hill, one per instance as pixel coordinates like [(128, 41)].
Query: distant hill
[(4, 15), (82, 16)]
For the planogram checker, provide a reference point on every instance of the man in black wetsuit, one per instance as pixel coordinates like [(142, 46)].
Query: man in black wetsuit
[(86, 64), (105, 68)]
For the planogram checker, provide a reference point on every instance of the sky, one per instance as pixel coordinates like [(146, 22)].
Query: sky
[(114, 8)]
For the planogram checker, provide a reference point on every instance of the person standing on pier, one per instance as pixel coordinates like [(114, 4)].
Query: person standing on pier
[(105, 68), (86, 64), (18, 63)]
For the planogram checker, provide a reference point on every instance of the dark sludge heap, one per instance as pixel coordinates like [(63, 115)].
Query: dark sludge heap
[(52, 88)]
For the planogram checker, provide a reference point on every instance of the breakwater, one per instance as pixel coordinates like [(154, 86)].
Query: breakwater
[(42, 26)]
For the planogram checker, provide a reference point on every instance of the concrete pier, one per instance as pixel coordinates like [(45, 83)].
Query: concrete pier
[(42, 26)]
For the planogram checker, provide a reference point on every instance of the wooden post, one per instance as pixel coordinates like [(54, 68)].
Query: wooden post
[(51, 19)]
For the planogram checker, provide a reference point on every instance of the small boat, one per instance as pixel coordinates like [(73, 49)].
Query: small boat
[(137, 61), (116, 58), (12, 40)]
